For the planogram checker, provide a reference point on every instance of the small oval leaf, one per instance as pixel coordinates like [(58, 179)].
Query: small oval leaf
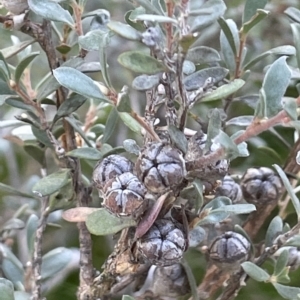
[(287, 292), (203, 54), (78, 82), (274, 229), (140, 63), (275, 84), (6, 289), (86, 153), (255, 272), (124, 30), (70, 105), (54, 261), (51, 183), (198, 79), (24, 64), (102, 222), (145, 82), (51, 10), (224, 90)]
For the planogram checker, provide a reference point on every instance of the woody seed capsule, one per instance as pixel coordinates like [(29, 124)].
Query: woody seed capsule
[(124, 196), (163, 244), (261, 185), (160, 167), (229, 250), (109, 168), (230, 189)]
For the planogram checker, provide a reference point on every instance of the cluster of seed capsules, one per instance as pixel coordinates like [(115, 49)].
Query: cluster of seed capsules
[(127, 190)]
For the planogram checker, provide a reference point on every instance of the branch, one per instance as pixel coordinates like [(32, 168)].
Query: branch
[(214, 277), (37, 252), (254, 129)]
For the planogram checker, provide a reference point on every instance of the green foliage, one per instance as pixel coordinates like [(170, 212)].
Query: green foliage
[(79, 83)]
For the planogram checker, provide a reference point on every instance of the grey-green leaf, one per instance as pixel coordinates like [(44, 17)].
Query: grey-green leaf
[(131, 146), (240, 121), (255, 272), (251, 7), (178, 138), (227, 143), (54, 261), (287, 292), (15, 49), (86, 153), (274, 229), (140, 62), (214, 127), (24, 64), (208, 14), (296, 35), (70, 105), (6, 289), (228, 39), (12, 224), (290, 107), (145, 82), (42, 136), (281, 50), (31, 227), (21, 295), (130, 122), (259, 16), (47, 87), (281, 262), (224, 90), (198, 187), (12, 191), (51, 183), (11, 266), (237, 209), (150, 8), (293, 13), (198, 79), (124, 30), (275, 84), (91, 41), (156, 18), (51, 10), (289, 189), (293, 241), (101, 222), (110, 125), (191, 279), (78, 82), (203, 54), (231, 39)]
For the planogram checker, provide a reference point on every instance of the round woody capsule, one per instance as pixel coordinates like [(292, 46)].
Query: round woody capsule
[(163, 244), (160, 167), (229, 250), (109, 168), (124, 196), (230, 189), (261, 185)]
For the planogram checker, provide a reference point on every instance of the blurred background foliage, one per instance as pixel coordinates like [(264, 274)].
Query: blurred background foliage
[(21, 171)]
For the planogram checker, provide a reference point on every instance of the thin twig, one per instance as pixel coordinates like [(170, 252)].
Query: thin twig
[(257, 127), (37, 252)]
